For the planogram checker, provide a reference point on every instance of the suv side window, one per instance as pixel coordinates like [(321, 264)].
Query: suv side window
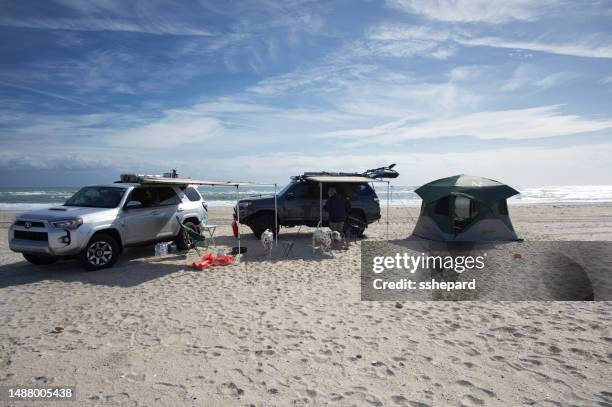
[(192, 194), (166, 196), (365, 190), (144, 195), (306, 190)]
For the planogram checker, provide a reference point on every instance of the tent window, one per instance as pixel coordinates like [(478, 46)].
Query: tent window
[(466, 208), (442, 206), (462, 207)]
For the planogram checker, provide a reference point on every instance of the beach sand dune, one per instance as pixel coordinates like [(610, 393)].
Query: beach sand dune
[(272, 331)]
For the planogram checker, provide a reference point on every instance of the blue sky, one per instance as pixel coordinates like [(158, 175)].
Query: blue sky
[(518, 90)]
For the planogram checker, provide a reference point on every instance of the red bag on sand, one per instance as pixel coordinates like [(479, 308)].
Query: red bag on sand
[(209, 260)]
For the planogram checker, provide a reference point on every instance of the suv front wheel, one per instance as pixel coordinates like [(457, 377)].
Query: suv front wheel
[(262, 222), (101, 252)]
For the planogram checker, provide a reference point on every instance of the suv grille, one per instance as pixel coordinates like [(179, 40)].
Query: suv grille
[(38, 236), (33, 224)]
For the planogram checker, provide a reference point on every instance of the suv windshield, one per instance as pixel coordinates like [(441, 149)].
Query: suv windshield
[(96, 197), (289, 185)]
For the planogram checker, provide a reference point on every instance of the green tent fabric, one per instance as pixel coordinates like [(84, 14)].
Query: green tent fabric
[(465, 208)]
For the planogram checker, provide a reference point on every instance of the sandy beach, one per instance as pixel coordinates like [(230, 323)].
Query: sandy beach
[(272, 331)]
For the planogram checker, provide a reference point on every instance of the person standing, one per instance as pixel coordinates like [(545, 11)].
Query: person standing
[(337, 206)]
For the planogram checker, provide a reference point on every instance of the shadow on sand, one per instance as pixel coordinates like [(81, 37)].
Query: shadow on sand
[(132, 269), (138, 265)]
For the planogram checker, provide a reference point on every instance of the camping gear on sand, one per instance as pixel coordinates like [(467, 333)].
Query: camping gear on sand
[(465, 208), (192, 236), (161, 248), (210, 260), (235, 229), (238, 250)]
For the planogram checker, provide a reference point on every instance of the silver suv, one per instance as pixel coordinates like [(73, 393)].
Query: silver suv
[(97, 222)]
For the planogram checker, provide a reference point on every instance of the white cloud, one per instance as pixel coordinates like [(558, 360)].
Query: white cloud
[(45, 93), (555, 79), (589, 47), (404, 41), (607, 79), (476, 10), (464, 73), (519, 166), (369, 91), (178, 128), (527, 75), (107, 24), (537, 122), (435, 41)]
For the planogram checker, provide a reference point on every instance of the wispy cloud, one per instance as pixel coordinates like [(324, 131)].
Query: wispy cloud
[(589, 47), (605, 80), (476, 10), (44, 93), (301, 83), (107, 15), (537, 122), (104, 24), (405, 41), (463, 73), (527, 75)]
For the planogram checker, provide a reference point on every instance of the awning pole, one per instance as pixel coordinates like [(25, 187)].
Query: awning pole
[(388, 197), (320, 204), (275, 215), (238, 219)]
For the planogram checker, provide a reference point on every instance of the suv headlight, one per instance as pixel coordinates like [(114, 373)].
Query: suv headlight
[(245, 204), (68, 223)]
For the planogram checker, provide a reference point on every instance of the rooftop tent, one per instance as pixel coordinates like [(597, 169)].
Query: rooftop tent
[(465, 208)]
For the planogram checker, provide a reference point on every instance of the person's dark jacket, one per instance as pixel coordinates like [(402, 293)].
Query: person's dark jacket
[(337, 206)]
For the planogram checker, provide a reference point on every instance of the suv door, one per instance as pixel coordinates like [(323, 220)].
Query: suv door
[(301, 203), (140, 222), (167, 206), (155, 219)]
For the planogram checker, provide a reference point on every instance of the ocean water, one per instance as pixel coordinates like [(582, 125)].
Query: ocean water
[(20, 199)]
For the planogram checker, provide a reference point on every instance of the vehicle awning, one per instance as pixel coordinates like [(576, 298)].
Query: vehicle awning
[(143, 179), (338, 178)]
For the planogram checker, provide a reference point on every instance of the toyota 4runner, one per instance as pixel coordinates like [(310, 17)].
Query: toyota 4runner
[(298, 204), (97, 222)]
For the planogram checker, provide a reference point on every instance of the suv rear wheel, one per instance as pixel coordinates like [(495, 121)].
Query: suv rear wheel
[(262, 222), (101, 252), (39, 259)]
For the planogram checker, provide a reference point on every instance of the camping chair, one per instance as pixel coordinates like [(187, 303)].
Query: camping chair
[(192, 235), (288, 246), (205, 227)]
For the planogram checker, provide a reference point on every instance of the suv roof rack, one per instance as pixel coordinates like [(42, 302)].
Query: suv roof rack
[(375, 173), (156, 179)]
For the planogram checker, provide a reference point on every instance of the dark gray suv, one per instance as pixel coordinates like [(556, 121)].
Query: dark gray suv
[(298, 204)]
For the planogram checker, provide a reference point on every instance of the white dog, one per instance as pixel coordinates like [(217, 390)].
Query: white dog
[(336, 236), (267, 240), (321, 239)]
